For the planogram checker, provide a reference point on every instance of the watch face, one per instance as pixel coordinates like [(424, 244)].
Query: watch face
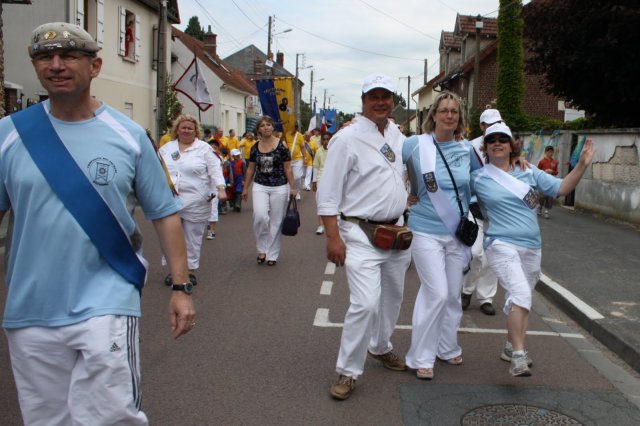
[(188, 288)]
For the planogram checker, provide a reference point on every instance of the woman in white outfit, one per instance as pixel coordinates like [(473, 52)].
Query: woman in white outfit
[(439, 256), (197, 175), (507, 194), (269, 170)]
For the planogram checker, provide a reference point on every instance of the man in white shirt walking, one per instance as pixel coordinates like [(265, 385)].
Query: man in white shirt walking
[(363, 183)]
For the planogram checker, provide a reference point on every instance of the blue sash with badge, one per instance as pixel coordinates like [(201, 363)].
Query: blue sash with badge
[(77, 194)]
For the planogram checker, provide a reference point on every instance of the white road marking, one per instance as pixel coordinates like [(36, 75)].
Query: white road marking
[(587, 310), (325, 289), (330, 269), (322, 320)]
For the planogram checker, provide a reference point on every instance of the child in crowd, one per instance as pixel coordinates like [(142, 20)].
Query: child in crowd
[(237, 167)]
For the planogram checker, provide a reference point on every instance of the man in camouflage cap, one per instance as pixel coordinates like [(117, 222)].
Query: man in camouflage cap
[(71, 317)]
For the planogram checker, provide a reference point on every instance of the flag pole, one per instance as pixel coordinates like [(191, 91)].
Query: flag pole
[(195, 58)]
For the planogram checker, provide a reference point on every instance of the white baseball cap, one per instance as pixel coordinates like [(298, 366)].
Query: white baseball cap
[(375, 81), (235, 152), (500, 128), (490, 116)]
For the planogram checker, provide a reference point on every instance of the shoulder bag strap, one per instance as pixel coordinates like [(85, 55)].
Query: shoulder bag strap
[(77, 194), (455, 187)]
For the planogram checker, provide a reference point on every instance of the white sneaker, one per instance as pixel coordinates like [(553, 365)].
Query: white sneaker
[(519, 366), (298, 197), (211, 235), (320, 230)]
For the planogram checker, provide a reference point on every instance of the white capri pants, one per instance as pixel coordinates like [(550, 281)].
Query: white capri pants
[(517, 269), (269, 207), (376, 284), (308, 174), (480, 277), (193, 236), (439, 260), (81, 374), (297, 168)]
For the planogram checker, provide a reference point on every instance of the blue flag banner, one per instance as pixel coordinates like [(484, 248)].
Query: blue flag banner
[(268, 101), (331, 119)]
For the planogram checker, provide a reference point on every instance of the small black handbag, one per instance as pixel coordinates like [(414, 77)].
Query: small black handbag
[(291, 221), (467, 231)]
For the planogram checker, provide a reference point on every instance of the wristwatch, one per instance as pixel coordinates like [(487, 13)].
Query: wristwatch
[(186, 287)]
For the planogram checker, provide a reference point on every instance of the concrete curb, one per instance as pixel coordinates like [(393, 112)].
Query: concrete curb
[(591, 320)]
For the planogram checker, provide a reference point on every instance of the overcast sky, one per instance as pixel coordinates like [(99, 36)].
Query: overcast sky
[(344, 40)]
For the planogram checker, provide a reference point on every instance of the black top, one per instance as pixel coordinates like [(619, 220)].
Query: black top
[(270, 165)]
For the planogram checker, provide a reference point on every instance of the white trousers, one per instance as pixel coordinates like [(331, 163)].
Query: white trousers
[(213, 217), (439, 260), (376, 284), (269, 207), (517, 269), (193, 236), (82, 374), (297, 168), (307, 176), (480, 278)]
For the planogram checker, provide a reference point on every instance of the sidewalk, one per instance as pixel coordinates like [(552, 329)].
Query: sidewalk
[(591, 269)]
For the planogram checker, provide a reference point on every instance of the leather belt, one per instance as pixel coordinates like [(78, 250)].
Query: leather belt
[(373, 222)]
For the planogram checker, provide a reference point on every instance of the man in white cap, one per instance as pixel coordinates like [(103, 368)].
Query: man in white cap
[(363, 183), (73, 331), (480, 278)]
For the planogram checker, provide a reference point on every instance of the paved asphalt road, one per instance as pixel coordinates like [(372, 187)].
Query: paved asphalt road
[(265, 346)]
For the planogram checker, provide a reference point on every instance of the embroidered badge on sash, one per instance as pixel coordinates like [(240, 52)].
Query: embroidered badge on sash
[(175, 156), (430, 181), (388, 152), (530, 199)]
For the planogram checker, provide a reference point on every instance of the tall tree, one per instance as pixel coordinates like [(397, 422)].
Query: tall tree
[(194, 29), (173, 107), (587, 50), (398, 99), (510, 84)]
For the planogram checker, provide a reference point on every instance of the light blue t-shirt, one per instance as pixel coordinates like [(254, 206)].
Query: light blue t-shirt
[(507, 218), (55, 275), (462, 160)]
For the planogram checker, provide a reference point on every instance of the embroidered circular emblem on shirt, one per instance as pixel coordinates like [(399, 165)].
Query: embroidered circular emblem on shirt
[(102, 171)]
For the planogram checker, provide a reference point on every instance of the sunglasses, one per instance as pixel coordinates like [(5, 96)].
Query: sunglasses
[(501, 139)]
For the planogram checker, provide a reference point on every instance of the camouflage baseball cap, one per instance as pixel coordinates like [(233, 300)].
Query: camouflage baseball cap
[(61, 36)]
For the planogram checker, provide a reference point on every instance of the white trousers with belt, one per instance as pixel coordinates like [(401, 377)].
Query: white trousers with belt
[(376, 284), (439, 260)]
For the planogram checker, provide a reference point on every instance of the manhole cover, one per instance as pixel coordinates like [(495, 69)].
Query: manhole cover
[(515, 415)]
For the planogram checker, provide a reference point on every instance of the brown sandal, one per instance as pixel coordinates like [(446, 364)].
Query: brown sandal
[(424, 373), (261, 258)]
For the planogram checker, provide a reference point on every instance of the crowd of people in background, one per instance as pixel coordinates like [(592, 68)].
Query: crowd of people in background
[(382, 201)]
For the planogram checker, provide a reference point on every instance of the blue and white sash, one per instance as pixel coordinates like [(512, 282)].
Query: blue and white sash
[(514, 185), (78, 195), (449, 215)]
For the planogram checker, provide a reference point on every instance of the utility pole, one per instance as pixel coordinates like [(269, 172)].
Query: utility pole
[(269, 54), (296, 93), (162, 70), (408, 103), (311, 91), (476, 67)]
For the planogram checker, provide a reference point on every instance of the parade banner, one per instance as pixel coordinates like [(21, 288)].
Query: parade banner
[(194, 87), (268, 101), (286, 103), (330, 119)]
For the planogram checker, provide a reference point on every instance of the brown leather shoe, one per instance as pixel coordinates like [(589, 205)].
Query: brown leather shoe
[(466, 300), (343, 387), (390, 361), (488, 309)]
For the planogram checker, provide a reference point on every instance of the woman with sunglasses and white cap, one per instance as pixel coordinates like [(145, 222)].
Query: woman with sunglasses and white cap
[(507, 195)]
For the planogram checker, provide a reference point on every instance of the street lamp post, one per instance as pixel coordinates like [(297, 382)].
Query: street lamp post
[(270, 37), (476, 70), (311, 88), (297, 96)]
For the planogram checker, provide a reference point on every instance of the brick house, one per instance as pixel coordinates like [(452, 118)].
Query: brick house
[(457, 73)]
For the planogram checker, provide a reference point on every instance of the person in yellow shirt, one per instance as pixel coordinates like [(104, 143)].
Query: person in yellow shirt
[(295, 142), (219, 136), (246, 143), (232, 141), (310, 147), (164, 139)]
